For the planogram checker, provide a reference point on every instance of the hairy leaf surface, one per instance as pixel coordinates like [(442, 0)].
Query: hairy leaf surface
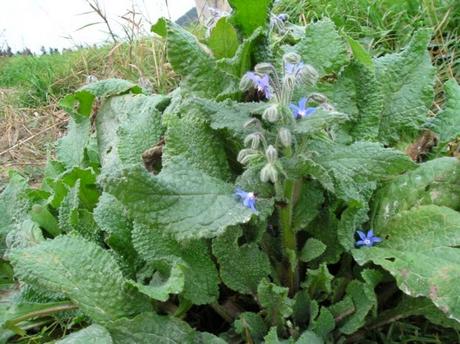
[(84, 272), (420, 251)]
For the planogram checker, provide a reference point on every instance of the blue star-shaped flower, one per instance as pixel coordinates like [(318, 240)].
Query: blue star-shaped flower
[(294, 69), (302, 110), (367, 240), (262, 84), (248, 198)]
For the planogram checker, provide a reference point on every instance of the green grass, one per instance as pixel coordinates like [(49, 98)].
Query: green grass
[(42, 79)]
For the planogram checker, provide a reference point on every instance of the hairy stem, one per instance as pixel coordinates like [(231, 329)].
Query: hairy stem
[(288, 236), (65, 306)]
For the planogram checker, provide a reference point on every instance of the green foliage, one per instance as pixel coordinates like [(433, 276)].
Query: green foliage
[(222, 202)]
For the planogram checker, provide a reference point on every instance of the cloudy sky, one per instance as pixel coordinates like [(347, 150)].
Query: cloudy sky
[(57, 23)]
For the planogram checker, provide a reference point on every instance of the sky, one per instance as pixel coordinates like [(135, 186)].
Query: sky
[(58, 23)]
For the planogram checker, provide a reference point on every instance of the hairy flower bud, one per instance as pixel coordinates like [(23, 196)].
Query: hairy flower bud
[(271, 114), (327, 107), (253, 140), (308, 75), (269, 173), (246, 83), (285, 137), (253, 122), (246, 155), (271, 154), (264, 68), (289, 82), (318, 97), (292, 58)]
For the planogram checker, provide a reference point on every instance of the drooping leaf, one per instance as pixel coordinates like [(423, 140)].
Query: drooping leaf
[(420, 251), (181, 201), (84, 272), (433, 182), (80, 103), (94, 334), (247, 16), (307, 206), (163, 284), (447, 123), (201, 279), (407, 81), (241, 267), (223, 40), (199, 71), (322, 47)]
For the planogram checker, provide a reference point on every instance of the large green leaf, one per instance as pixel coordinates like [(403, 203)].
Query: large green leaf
[(71, 148), (355, 165), (14, 205), (148, 328), (447, 123), (322, 47), (223, 40), (420, 249), (181, 201), (199, 71), (242, 267), (84, 272), (192, 138), (433, 182), (249, 15), (93, 334), (199, 271), (407, 81), (127, 126)]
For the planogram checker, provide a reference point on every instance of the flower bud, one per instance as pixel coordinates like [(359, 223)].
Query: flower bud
[(289, 82), (245, 83), (253, 140), (271, 154), (269, 173), (292, 58), (308, 74), (253, 122), (318, 97), (264, 68), (327, 107), (271, 114), (285, 137), (246, 155)]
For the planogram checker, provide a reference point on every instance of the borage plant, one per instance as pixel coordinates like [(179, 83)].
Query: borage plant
[(270, 198)]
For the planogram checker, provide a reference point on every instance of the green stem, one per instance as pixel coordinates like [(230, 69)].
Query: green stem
[(65, 306), (288, 236)]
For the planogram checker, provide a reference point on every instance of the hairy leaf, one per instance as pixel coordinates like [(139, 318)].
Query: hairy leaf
[(433, 182), (201, 279), (407, 85), (275, 300), (251, 324), (147, 328), (199, 71), (312, 249), (223, 40), (181, 200), (420, 251), (447, 123), (241, 267), (93, 334), (249, 15), (14, 205), (322, 47), (84, 272)]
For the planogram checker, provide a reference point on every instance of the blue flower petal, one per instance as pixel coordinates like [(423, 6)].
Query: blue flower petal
[(361, 235)]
